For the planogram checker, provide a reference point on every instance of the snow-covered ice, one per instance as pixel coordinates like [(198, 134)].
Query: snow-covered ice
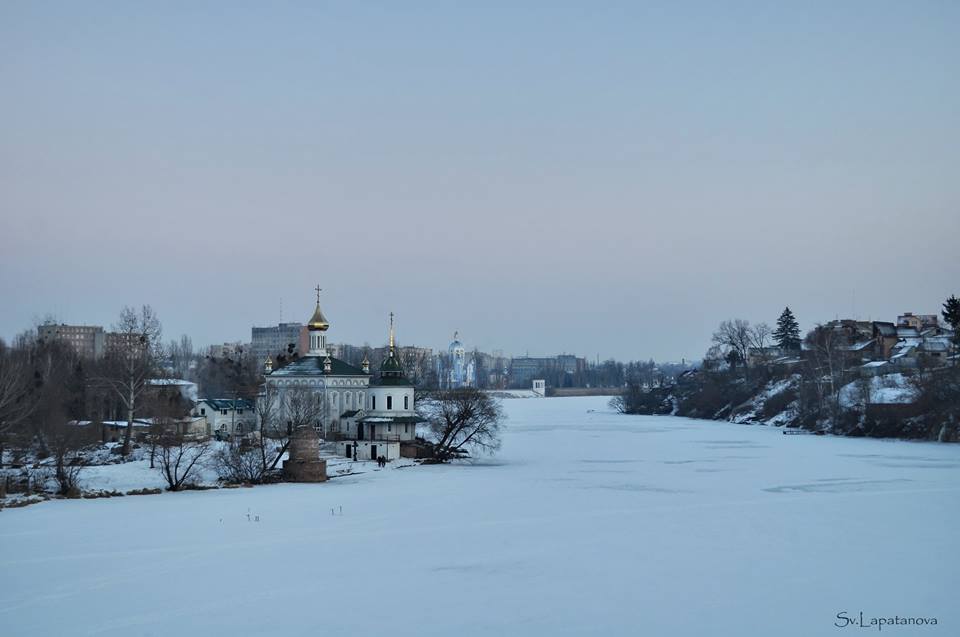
[(586, 523)]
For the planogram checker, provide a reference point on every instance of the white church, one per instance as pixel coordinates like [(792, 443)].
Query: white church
[(368, 415)]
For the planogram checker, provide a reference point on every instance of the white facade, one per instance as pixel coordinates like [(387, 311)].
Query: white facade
[(335, 395), (226, 415), (369, 450), (390, 401)]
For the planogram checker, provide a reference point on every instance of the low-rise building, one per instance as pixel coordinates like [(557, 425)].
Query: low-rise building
[(227, 416), (917, 321)]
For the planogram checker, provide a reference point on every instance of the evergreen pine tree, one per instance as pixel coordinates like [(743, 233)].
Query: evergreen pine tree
[(951, 314), (787, 334)]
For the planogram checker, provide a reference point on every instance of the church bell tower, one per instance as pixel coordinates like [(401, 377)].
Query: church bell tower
[(318, 327)]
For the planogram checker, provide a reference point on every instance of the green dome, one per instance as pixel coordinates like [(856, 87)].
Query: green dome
[(391, 367)]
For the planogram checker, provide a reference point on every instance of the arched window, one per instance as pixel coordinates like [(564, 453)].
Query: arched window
[(389, 402), (406, 402), (373, 402)]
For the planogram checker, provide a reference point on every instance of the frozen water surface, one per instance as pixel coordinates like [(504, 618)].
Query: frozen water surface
[(586, 523)]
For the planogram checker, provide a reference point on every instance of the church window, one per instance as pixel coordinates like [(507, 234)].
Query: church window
[(389, 427), (373, 402), (406, 402), (389, 402)]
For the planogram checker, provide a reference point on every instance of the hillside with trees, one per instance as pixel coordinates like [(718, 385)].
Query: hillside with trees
[(845, 377)]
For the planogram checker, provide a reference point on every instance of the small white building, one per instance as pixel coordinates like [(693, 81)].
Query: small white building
[(227, 416), (540, 387)]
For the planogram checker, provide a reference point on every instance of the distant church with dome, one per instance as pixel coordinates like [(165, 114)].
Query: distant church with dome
[(369, 415), (455, 371)]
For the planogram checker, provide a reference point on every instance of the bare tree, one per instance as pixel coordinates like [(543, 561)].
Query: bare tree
[(243, 463), (166, 409), (274, 437), (301, 407), (462, 420), (16, 401), (827, 366), (239, 464), (180, 354), (65, 440), (179, 457), (131, 360), (760, 335), (735, 336)]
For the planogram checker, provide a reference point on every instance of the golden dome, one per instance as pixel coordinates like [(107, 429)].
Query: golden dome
[(318, 321)]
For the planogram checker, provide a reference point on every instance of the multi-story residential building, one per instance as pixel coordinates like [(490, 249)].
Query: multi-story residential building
[(563, 370), (278, 339), (524, 369), (121, 341), (88, 341), (229, 350)]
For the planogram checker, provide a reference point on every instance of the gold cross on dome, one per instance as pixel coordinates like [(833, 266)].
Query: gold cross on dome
[(318, 289)]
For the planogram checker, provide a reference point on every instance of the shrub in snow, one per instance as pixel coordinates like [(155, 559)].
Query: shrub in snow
[(178, 458), (239, 464)]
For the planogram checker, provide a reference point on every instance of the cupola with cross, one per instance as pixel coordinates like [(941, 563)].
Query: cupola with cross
[(391, 368), (318, 326)]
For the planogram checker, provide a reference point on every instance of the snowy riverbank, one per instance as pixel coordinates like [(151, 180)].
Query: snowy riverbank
[(587, 522)]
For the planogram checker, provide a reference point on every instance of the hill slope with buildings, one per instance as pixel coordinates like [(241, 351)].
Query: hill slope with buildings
[(852, 378)]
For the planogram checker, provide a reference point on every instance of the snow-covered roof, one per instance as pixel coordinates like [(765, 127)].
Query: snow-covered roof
[(227, 403), (169, 381), (935, 344)]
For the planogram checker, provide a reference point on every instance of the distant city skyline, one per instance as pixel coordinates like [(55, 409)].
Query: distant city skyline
[(441, 344), (606, 180)]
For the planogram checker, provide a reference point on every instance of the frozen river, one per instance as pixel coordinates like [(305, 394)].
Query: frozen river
[(586, 523)]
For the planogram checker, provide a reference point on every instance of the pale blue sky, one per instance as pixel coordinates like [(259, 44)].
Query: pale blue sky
[(597, 178)]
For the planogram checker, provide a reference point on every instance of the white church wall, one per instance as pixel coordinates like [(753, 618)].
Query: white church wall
[(369, 449), (398, 394)]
